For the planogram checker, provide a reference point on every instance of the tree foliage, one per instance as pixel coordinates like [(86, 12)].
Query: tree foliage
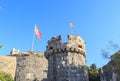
[(113, 47), (93, 73), (5, 77)]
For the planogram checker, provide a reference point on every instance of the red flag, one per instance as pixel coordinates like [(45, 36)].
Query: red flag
[(37, 32), (71, 25)]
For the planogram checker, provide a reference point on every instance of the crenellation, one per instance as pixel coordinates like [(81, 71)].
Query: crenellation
[(74, 44), (54, 40), (67, 49)]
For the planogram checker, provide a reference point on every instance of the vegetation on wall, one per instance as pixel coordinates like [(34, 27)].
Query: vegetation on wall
[(5, 77)]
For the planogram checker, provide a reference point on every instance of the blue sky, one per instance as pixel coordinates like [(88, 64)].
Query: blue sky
[(96, 21)]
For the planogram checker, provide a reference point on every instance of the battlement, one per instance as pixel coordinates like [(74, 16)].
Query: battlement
[(14, 51), (23, 54), (54, 39), (75, 44)]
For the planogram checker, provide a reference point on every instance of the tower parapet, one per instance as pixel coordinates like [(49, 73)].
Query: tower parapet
[(66, 60), (75, 44)]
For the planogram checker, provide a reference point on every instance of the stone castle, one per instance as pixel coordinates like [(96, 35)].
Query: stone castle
[(62, 61)]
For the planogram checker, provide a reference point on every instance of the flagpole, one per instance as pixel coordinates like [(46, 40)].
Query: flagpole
[(33, 41)]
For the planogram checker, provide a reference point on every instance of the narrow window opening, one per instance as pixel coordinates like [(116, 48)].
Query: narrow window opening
[(50, 48), (79, 46)]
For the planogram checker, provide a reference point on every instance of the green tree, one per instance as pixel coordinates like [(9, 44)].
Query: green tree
[(93, 73), (5, 77)]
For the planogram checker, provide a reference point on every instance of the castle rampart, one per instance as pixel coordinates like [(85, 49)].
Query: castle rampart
[(25, 66), (31, 66)]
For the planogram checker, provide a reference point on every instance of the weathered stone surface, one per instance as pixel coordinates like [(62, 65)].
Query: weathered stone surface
[(31, 67), (25, 66), (67, 65), (8, 65), (111, 71)]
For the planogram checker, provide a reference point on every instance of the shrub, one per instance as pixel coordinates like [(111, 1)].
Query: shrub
[(5, 77)]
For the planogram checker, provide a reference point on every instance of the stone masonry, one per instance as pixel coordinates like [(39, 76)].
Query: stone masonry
[(25, 66), (31, 67), (66, 61), (111, 71), (8, 65)]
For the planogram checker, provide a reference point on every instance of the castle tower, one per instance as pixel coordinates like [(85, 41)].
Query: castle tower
[(66, 61)]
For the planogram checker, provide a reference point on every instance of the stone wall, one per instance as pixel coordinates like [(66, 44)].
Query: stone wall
[(111, 71), (25, 66), (8, 65), (31, 67)]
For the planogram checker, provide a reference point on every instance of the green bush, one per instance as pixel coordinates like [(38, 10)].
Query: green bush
[(5, 77)]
